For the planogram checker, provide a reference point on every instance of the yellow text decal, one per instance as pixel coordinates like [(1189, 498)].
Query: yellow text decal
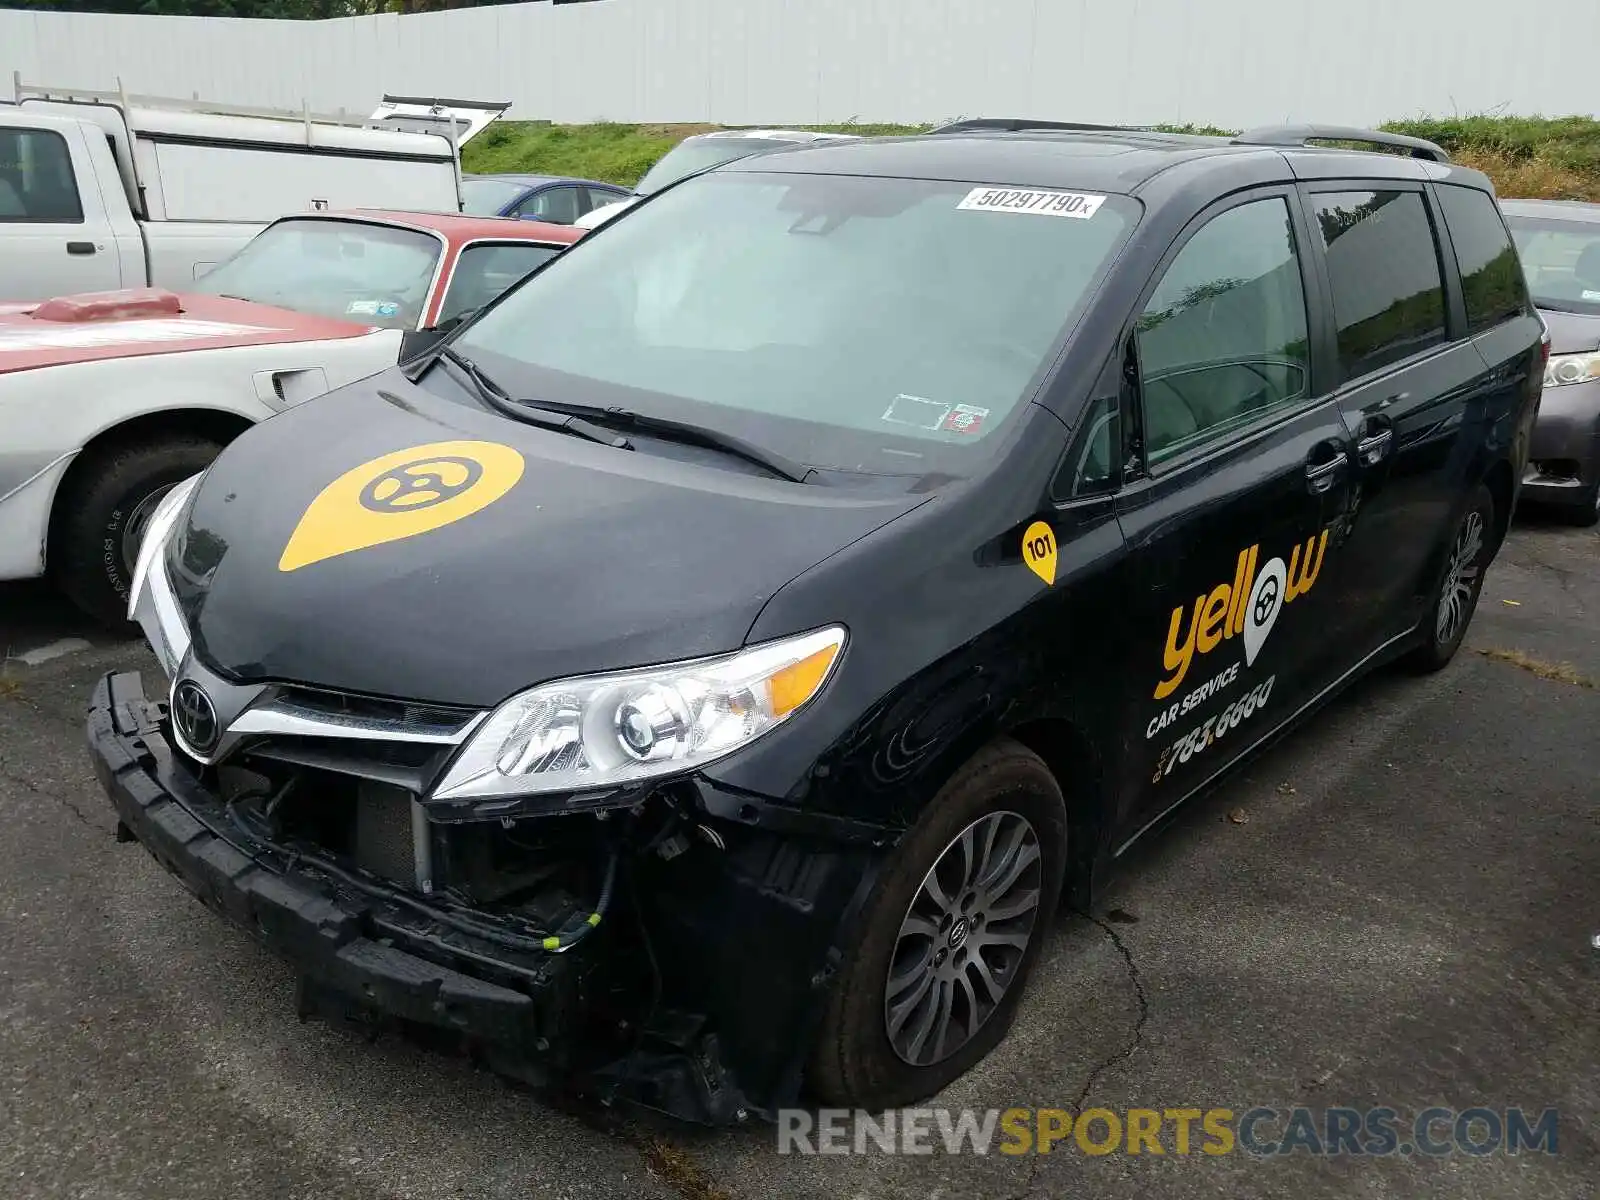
[(401, 495), (1039, 550)]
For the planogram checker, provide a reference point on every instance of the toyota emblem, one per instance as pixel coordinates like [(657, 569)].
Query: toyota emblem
[(194, 716)]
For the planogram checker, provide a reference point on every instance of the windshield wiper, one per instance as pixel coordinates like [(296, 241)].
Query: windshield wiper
[(688, 434), (526, 411)]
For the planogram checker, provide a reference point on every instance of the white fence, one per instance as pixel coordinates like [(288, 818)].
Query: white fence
[(1224, 62)]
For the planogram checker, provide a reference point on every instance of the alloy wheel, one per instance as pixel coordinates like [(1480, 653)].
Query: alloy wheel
[(963, 938), (1460, 580)]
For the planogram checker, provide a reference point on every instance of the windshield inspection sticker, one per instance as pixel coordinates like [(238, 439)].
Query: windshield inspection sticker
[(400, 495), (1031, 200), (964, 418), (1591, 297), (371, 308), (917, 412)]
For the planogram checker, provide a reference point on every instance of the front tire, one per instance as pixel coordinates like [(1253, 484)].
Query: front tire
[(1455, 598), (949, 937), (101, 519)]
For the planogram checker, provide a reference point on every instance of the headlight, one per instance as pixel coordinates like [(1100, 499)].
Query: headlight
[(1563, 369), (600, 731), (156, 534), (150, 599)]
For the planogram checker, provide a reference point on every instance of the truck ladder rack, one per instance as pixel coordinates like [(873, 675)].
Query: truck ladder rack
[(119, 97)]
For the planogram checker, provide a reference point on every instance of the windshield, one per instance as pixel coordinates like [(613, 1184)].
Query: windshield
[(1561, 260), (372, 274), (487, 197), (863, 324), (688, 157)]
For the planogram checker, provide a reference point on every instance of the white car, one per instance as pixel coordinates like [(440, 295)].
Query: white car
[(108, 399), (102, 190), (702, 152)]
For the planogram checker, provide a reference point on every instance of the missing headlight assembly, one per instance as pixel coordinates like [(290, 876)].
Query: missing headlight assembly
[(649, 953)]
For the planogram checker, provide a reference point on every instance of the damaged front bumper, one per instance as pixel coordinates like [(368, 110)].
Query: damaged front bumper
[(649, 1009)]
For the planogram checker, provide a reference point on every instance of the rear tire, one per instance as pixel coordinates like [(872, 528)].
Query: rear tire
[(99, 519), (1455, 598), (1586, 513), (947, 941)]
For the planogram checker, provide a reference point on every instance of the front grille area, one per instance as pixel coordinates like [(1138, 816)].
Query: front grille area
[(339, 778), (545, 871), (399, 743), (337, 714), (383, 841), (403, 716), (402, 764)]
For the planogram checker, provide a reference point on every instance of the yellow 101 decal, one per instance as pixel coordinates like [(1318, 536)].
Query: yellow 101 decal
[(1202, 737)]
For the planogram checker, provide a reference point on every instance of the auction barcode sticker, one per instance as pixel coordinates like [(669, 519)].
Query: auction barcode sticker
[(1029, 200)]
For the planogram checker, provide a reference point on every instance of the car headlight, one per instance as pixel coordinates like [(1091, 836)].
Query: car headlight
[(1563, 369), (150, 599), (600, 731)]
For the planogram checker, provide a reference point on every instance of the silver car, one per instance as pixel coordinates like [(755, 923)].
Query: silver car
[(702, 152), (1559, 243)]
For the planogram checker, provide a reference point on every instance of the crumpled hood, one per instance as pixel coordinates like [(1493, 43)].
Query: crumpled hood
[(1571, 333), (142, 321), (386, 541)]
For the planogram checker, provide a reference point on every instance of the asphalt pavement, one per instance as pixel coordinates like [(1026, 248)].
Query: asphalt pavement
[(1397, 905)]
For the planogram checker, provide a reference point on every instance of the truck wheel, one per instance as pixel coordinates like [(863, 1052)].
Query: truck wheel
[(949, 937), (1455, 598), (101, 519)]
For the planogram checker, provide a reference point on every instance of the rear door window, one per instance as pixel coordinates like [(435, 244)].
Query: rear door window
[(1491, 276), (557, 205), (1383, 269)]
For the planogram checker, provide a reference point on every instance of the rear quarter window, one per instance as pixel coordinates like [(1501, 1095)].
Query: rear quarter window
[(1491, 275)]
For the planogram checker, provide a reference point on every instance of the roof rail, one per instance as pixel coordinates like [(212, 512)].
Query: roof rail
[(1301, 135), (34, 91), (1018, 125)]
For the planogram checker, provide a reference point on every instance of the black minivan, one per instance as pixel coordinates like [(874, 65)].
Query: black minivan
[(698, 678)]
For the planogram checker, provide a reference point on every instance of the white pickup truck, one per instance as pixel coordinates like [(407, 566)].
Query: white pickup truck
[(103, 190)]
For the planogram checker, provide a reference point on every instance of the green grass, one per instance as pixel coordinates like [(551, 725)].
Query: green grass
[(612, 152), (1555, 158)]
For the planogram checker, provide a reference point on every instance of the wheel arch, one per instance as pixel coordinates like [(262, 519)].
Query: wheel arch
[(216, 424), (1501, 482), (1079, 771)]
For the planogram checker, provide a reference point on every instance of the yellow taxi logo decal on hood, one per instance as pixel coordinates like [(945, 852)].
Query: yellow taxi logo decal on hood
[(401, 495)]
